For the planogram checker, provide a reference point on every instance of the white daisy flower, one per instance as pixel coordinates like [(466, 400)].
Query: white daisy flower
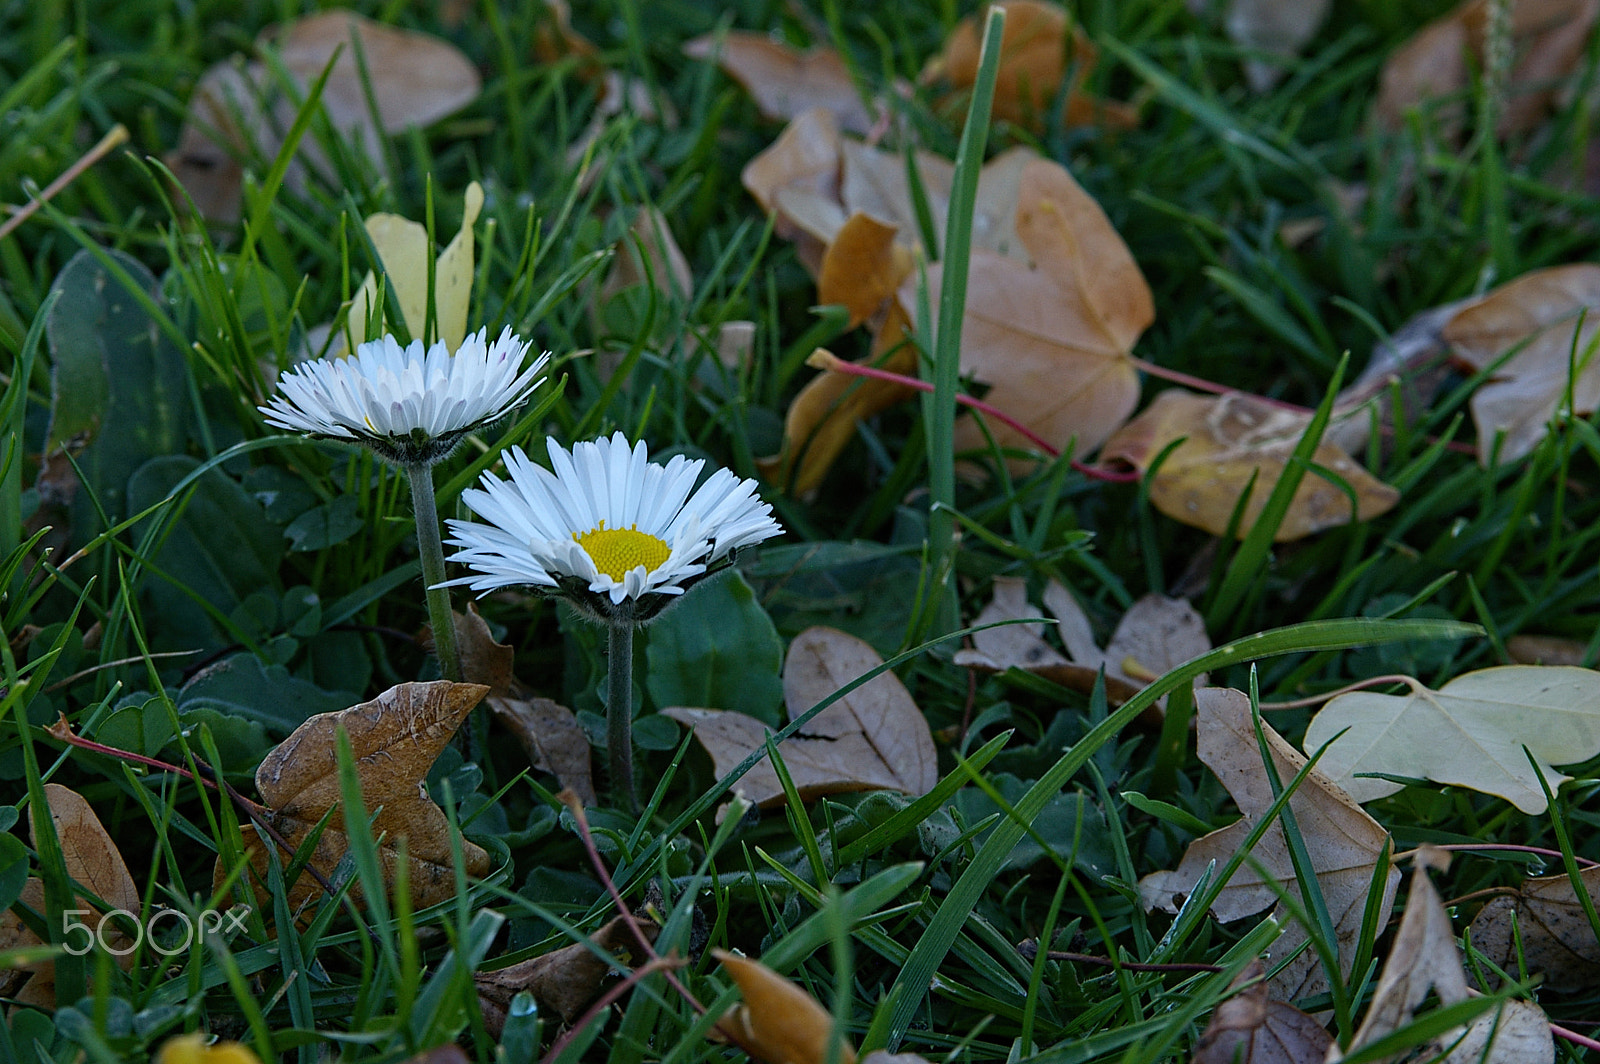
[(609, 522), (411, 407)]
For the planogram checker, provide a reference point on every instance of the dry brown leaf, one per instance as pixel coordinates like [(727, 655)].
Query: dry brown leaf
[(777, 1022), (874, 738), (1053, 342), (566, 979), (237, 109), (1546, 650), (1540, 312), (1277, 27), (555, 40), (784, 81), (1229, 439), (1548, 40), (863, 267), (796, 179), (1039, 49), (93, 861), (483, 661), (553, 738), (1344, 843), (395, 738), (1557, 940), (449, 1053), (1251, 1028), (1424, 958), (1156, 634)]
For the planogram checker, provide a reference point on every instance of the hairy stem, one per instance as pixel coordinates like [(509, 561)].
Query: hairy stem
[(431, 552), (619, 712)]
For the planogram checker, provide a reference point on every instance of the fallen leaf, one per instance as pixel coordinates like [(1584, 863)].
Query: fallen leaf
[(647, 256), (395, 738), (93, 861), (1053, 342), (483, 661), (863, 267), (777, 1022), (1556, 938), (555, 741), (555, 40), (1343, 842), (238, 110), (566, 979), (1277, 27), (874, 738), (1156, 634), (796, 180), (1553, 316), (784, 81), (448, 1053), (193, 1048), (1471, 732), (1251, 1028), (1424, 958), (1040, 49), (1548, 39), (404, 250), (1229, 439), (1546, 650)]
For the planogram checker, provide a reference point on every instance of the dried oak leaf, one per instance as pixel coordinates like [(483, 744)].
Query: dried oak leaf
[(395, 738), (553, 738), (483, 660), (93, 861), (1424, 958), (1251, 1028), (1053, 341), (1548, 41), (1040, 49), (784, 81), (1228, 440), (566, 979), (237, 109), (874, 738), (1538, 313), (1556, 938), (1156, 634), (1471, 732), (1344, 843), (777, 1021)]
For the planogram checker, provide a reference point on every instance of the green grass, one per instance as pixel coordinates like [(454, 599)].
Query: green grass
[(293, 564)]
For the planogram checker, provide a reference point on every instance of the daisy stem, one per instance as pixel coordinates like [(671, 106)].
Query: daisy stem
[(431, 553), (619, 711)]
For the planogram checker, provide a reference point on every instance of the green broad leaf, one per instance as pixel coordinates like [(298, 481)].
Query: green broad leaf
[(241, 686), (717, 649), (866, 589), (141, 729), (323, 526), (1057, 823), (240, 743), (221, 549), (13, 869), (119, 387)]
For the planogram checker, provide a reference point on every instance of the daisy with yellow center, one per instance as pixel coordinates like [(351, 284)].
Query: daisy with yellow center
[(616, 535)]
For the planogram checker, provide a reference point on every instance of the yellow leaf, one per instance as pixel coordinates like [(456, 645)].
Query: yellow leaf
[(778, 1022), (192, 1049)]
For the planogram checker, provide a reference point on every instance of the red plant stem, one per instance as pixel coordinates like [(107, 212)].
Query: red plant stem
[(1469, 847), (1360, 685), (576, 808), (658, 964), (824, 360), (1574, 1037)]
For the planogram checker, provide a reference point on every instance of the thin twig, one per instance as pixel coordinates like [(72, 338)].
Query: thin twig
[(1359, 685), (108, 143), (91, 670), (657, 964), (1030, 949), (1511, 847)]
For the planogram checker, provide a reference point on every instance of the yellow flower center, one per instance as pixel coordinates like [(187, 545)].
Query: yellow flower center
[(616, 551)]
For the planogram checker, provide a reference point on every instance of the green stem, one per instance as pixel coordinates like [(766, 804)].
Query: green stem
[(431, 551), (619, 711)]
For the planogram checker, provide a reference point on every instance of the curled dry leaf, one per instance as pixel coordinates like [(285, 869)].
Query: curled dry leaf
[(1228, 440), (1424, 958), (566, 979), (1277, 27), (647, 255), (94, 862), (1553, 318), (1040, 49), (874, 738), (553, 738), (1548, 41), (1052, 341), (483, 660), (395, 738), (195, 1048), (784, 81), (777, 1022), (1552, 934), (237, 110), (1156, 634), (1251, 1028), (1471, 732), (1344, 843), (1546, 650)]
